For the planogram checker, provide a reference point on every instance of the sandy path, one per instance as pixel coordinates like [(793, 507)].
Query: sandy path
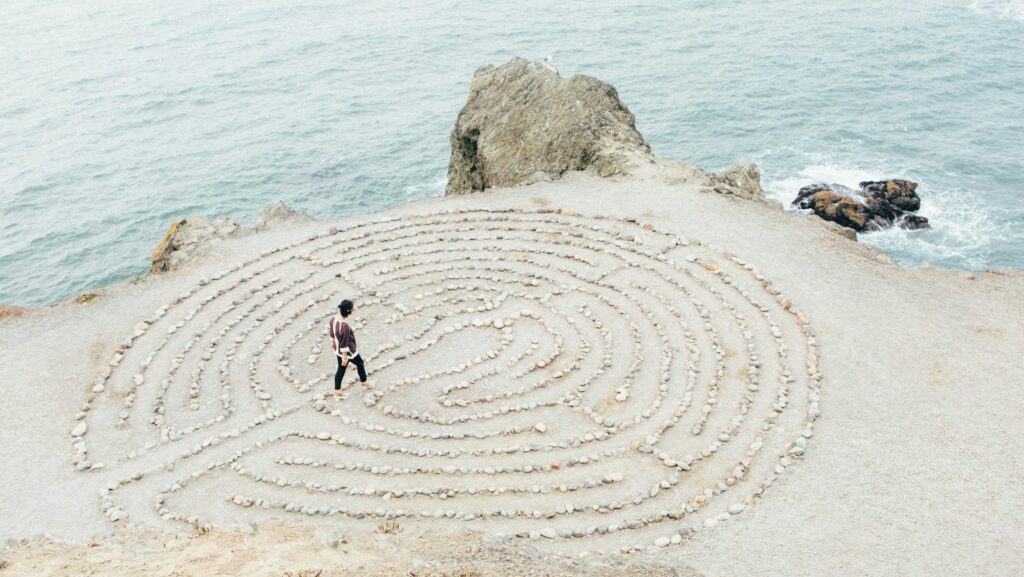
[(664, 391)]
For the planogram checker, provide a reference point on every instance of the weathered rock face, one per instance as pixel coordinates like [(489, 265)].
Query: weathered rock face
[(900, 193), (877, 205), (524, 123), (280, 214), (743, 180), (184, 239)]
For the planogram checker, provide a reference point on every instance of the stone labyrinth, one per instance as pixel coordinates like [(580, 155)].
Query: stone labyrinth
[(587, 383)]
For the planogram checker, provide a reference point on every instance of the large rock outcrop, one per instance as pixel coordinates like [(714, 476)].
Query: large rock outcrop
[(186, 238), (742, 180), (877, 205), (524, 123)]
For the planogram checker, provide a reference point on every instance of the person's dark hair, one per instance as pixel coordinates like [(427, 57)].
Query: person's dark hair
[(345, 307)]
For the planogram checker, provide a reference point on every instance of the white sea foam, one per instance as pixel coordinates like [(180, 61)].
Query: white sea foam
[(784, 190), (431, 188), (1005, 9), (964, 232)]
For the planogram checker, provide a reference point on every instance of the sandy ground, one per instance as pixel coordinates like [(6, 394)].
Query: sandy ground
[(914, 466), (294, 551)]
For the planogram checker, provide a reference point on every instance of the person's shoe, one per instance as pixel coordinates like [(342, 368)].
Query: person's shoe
[(367, 385), (339, 396)]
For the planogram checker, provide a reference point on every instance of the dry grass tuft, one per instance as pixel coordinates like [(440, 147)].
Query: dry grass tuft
[(86, 297), (304, 573), (389, 528)]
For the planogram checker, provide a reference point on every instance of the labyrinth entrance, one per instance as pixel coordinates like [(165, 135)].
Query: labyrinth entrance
[(586, 383)]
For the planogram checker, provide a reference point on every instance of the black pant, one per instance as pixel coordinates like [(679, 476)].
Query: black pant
[(338, 376)]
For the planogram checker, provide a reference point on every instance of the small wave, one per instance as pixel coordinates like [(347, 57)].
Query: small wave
[(1005, 9), (429, 189), (964, 233), (784, 190)]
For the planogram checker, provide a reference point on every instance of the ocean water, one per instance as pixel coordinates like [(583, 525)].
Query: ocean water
[(117, 116)]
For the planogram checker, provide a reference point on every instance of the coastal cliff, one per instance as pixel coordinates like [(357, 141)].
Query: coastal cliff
[(580, 367), (524, 123)]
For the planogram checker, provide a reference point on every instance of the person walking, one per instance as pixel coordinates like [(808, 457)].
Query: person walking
[(343, 342)]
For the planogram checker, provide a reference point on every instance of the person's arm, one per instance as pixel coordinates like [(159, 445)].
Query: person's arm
[(346, 342)]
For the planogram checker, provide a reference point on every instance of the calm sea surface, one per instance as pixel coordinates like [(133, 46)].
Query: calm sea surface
[(116, 116)]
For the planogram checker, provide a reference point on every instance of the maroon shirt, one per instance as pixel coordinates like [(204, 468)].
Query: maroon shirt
[(342, 337)]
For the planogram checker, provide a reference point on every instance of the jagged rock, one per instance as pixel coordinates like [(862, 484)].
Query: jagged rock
[(280, 213), (185, 238), (743, 180), (877, 205), (524, 123), (900, 193)]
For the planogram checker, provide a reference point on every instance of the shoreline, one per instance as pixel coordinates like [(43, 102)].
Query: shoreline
[(8, 311)]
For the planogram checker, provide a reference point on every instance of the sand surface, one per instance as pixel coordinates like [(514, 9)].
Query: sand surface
[(759, 393)]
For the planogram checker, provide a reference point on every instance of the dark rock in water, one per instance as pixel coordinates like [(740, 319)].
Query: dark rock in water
[(838, 208), (877, 205), (913, 222), (900, 193)]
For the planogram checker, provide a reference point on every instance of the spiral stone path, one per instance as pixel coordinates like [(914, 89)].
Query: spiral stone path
[(585, 383)]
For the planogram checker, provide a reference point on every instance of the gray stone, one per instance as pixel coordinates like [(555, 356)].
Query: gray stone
[(280, 214), (524, 123), (742, 180), (186, 238)]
